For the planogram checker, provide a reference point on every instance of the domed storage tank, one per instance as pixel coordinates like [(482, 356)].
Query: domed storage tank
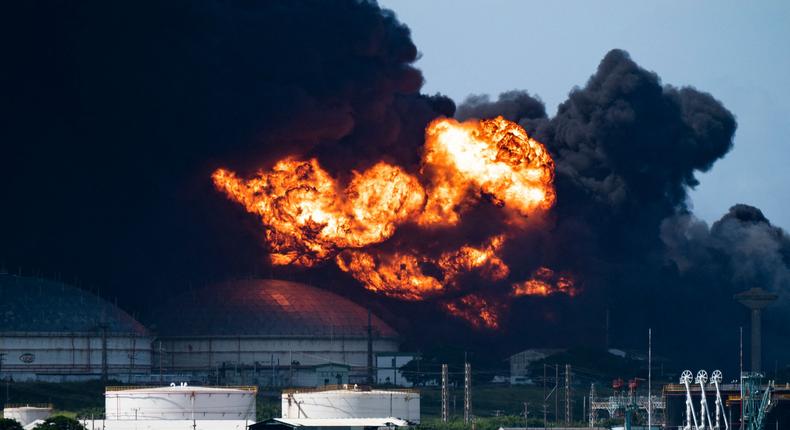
[(351, 402), (26, 414), (180, 402), (50, 331), (267, 332)]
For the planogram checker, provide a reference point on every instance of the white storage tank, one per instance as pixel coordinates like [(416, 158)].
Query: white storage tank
[(180, 402), (350, 401), (26, 414)]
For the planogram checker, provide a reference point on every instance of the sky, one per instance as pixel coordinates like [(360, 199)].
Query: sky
[(737, 51)]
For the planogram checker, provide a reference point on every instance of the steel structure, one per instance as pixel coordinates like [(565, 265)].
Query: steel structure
[(625, 402), (445, 412), (715, 380), (704, 421), (467, 393), (755, 403), (568, 409), (704, 413)]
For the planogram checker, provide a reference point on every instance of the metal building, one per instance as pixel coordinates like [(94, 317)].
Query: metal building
[(268, 333), (50, 331)]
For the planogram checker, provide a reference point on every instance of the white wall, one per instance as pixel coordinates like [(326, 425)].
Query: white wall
[(68, 356), (253, 360), (166, 425), (352, 404), (180, 403)]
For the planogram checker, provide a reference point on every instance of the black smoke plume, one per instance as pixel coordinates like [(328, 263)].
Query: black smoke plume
[(115, 114), (627, 149)]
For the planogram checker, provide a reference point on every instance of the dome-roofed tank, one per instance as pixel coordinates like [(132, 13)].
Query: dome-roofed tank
[(264, 331), (51, 331), (30, 304), (266, 307)]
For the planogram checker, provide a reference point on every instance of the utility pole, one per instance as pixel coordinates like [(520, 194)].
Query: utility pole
[(467, 393), (740, 374), (545, 421), (650, 379), (2, 358), (584, 407), (103, 328), (556, 397), (370, 350), (544, 396), (444, 394), (526, 415), (568, 394), (592, 399)]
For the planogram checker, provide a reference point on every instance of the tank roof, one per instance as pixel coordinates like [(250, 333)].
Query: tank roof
[(178, 389), (265, 308), (30, 304)]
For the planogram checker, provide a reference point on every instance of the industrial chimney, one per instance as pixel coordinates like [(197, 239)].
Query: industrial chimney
[(756, 299)]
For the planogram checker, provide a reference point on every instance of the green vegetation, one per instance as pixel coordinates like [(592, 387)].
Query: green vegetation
[(60, 422), (487, 401), (9, 424), (267, 407), (68, 396), (489, 423)]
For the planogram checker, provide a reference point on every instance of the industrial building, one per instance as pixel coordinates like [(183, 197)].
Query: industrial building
[(268, 332), (247, 332), (520, 362), (50, 331)]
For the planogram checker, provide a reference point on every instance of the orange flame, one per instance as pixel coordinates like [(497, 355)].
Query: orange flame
[(544, 282), (400, 274), (495, 157), (311, 217), (476, 310)]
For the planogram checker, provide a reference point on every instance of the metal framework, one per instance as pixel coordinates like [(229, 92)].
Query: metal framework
[(755, 404), (467, 393), (715, 379), (625, 402), (704, 413), (568, 394), (445, 414)]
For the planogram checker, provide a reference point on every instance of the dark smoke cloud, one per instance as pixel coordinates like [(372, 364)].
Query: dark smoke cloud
[(512, 105), (627, 149), (117, 113)]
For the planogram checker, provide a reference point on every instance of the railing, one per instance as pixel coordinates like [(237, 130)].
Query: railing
[(252, 388), (348, 387), (28, 405)]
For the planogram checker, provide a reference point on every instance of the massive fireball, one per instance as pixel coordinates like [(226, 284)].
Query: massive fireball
[(310, 217)]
